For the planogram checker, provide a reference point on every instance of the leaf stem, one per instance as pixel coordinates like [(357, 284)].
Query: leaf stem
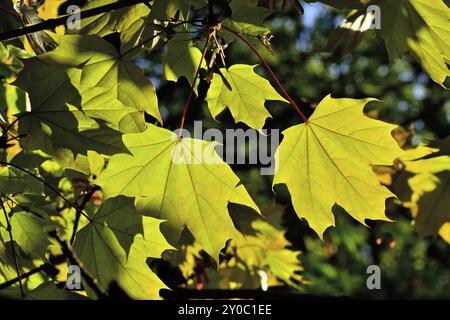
[(13, 246), (2, 163), (87, 197), (191, 91), (164, 29), (269, 70), (48, 268)]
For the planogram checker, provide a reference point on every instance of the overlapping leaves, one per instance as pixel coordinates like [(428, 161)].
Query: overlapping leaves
[(115, 246)]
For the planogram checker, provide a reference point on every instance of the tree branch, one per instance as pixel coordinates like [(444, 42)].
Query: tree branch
[(91, 282), (13, 246), (48, 268), (53, 23), (2, 163)]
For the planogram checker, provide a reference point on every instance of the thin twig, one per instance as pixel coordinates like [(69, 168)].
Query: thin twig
[(91, 282), (2, 163), (269, 70), (191, 91), (13, 246), (48, 268), (144, 42), (87, 197)]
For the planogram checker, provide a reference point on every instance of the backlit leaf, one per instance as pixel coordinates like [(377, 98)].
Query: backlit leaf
[(245, 98), (182, 181), (328, 160), (115, 247)]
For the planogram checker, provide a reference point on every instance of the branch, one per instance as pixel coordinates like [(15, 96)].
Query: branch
[(91, 282), (53, 23), (269, 70), (13, 246), (87, 197), (48, 268), (2, 163)]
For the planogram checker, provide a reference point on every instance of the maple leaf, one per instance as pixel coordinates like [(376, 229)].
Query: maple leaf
[(128, 21), (421, 27), (328, 160), (245, 98), (263, 245), (176, 184), (247, 18), (101, 66), (182, 59), (115, 246), (430, 186)]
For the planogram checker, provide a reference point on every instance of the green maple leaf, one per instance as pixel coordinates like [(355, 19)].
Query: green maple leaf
[(247, 18), (263, 244), (29, 232), (175, 184), (433, 205), (56, 95), (182, 59), (430, 186), (115, 247), (128, 21), (70, 117), (101, 66), (421, 27), (245, 98), (169, 9), (328, 160), (14, 180)]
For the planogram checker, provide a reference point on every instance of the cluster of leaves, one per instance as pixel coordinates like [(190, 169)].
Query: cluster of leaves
[(89, 172)]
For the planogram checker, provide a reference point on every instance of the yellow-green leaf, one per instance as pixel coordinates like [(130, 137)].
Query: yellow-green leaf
[(245, 97), (421, 27), (182, 59), (115, 247), (183, 181), (328, 160)]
